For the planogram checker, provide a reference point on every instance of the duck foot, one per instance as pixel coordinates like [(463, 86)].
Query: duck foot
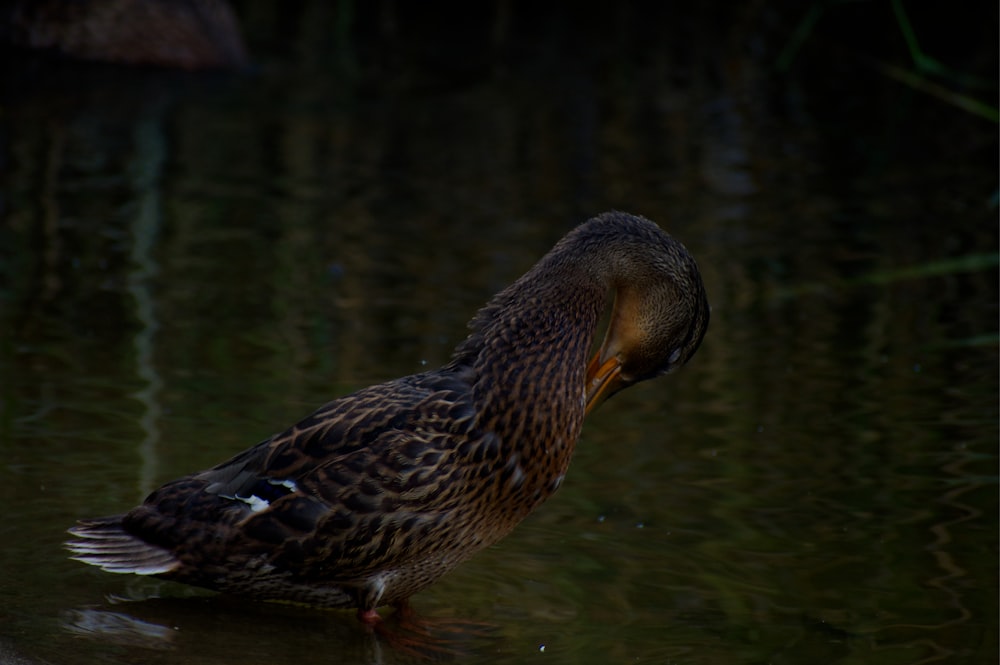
[(369, 618), (425, 637)]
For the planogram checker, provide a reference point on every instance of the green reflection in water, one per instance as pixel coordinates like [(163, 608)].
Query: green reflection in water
[(187, 268)]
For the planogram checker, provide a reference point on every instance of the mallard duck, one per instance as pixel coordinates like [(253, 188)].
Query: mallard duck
[(196, 34), (377, 494)]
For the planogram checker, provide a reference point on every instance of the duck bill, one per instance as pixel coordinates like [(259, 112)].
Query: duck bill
[(603, 380)]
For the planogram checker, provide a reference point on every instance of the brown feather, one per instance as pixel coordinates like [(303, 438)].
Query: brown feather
[(377, 494)]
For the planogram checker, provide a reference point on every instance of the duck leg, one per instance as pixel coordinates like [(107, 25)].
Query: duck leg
[(409, 633)]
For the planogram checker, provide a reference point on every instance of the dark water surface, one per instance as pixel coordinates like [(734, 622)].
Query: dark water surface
[(188, 263)]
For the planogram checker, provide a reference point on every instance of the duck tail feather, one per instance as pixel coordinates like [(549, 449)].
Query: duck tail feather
[(103, 542)]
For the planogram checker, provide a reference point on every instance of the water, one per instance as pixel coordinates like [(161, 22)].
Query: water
[(189, 263)]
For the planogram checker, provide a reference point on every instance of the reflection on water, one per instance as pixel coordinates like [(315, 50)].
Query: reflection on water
[(189, 264), (147, 170)]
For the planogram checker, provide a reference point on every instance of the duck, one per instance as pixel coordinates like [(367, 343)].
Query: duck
[(192, 35), (377, 494)]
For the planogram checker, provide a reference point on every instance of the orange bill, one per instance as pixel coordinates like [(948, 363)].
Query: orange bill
[(603, 380)]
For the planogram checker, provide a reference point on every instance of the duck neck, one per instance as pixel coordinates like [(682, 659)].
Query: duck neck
[(528, 352)]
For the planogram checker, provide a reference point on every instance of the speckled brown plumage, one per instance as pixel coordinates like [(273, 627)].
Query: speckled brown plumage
[(377, 494)]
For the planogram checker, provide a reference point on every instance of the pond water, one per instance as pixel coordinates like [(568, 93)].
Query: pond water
[(189, 263)]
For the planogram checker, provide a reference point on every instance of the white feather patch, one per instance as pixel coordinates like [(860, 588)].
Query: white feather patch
[(256, 503)]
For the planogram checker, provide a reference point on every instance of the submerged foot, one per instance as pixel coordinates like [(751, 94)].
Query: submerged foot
[(429, 638)]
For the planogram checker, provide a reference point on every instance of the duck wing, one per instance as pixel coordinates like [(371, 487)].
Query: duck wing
[(348, 491)]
